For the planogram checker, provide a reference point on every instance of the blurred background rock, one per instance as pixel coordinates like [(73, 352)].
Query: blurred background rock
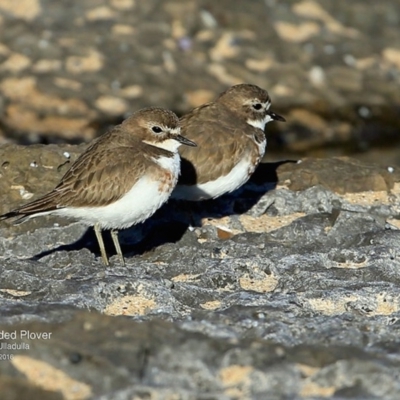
[(69, 70)]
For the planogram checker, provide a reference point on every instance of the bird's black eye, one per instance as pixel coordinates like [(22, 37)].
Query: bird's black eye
[(156, 129), (257, 106)]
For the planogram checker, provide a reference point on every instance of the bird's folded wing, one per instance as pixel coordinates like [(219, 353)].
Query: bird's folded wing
[(108, 175), (94, 180), (218, 151)]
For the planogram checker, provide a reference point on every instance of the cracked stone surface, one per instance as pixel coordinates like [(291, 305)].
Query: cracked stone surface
[(271, 293)]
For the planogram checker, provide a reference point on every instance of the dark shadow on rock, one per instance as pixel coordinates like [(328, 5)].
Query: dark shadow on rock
[(264, 179), (170, 223), (87, 241), (160, 233), (156, 235)]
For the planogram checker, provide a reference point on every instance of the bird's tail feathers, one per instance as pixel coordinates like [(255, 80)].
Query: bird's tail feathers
[(41, 206)]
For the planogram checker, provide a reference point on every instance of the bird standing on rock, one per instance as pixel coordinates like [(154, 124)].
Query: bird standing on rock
[(120, 180), (231, 142)]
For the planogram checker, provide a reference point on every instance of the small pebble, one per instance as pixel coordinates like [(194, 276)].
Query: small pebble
[(364, 112)]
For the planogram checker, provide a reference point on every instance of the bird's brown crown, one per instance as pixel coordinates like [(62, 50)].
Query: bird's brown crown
[(153, 124), (250, 101)]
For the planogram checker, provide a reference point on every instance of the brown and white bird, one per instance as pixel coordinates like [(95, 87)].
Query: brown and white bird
[(229, 133), (120, 180)]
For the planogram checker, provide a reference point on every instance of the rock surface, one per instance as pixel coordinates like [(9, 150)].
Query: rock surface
[(332, 68), (288, 288)]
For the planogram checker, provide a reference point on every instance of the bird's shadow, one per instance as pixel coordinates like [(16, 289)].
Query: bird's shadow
[(263, 180), (172, 221)]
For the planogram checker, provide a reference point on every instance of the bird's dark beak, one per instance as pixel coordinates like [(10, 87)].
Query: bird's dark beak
[(183, 140), (276, 117)]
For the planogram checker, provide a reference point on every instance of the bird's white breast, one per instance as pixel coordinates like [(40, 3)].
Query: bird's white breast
[(138, 204), (239, 175)]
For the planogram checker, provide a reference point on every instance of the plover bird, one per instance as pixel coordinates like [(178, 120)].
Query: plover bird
[(120, 180), (229, 133)]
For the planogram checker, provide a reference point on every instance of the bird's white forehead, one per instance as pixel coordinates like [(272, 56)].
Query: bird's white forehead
[(165, 128), (255, 100), (175, 131)]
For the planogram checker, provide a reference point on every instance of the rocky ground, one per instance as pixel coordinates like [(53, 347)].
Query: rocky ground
[(331, 67), (288, 288)]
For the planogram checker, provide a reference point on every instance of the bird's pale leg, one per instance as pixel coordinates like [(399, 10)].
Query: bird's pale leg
[(97, 231), (114, 235)]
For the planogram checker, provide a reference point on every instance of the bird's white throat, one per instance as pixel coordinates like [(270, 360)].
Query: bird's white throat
[(171, 145), (260, 123)]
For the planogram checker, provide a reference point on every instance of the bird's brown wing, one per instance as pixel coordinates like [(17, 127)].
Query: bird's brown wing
[(218, 148), (102, 178), (96, 179)]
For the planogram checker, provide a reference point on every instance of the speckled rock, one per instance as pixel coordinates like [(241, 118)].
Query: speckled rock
[(341, 175), (30, 171), (273, 293), (332, 68)]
